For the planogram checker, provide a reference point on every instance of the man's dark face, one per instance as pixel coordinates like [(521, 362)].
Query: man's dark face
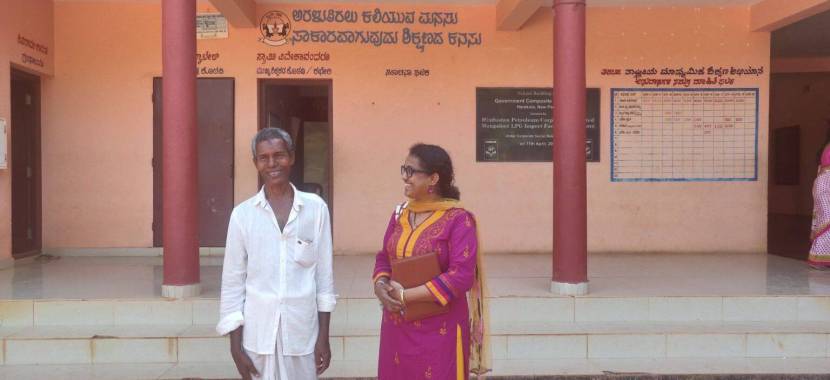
[(273, 161)]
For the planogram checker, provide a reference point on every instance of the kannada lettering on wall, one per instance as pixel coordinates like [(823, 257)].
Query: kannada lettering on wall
[(288, 63), (369, 27), (301, 29), (379, 27), (516, 125), (39, 50), (685, 77), (706, 134), (207, 64)]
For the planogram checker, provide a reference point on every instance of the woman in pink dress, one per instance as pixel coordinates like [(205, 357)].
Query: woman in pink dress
[(820, 249), (450, 345)]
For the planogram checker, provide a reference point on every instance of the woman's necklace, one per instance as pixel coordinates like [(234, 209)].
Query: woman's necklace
[(413, 218)]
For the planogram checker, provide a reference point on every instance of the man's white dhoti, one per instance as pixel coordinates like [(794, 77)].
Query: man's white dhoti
[(283, 367)]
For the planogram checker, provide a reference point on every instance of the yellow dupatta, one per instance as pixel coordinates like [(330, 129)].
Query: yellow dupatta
[(479, 312)]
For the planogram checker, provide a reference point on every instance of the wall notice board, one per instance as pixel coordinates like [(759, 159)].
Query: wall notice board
[(684, 134)]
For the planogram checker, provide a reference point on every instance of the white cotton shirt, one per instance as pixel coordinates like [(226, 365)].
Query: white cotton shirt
[(272, 277)]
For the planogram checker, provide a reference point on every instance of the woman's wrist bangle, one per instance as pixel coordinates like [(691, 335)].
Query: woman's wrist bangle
[(403, 300)]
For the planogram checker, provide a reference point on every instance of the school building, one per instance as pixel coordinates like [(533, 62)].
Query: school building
[(703, 121)]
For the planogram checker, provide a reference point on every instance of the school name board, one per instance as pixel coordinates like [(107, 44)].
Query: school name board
[(704, 134), (516, 125), (377, 27)]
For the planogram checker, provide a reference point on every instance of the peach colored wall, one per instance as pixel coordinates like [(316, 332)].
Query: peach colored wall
[(803, 100), (104, 73), (32, 20), (99, 145), (677, 216)]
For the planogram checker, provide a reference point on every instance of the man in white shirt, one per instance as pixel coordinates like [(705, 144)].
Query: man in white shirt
[(277, 282)]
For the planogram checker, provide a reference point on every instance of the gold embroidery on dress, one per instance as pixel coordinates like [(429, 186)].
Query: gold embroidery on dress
[(443, 330), (428, 373), (467, 252), (438, 228), (391, 245), (397, 359), (424, 242), (452, 213), (406, 234), (468, 221)]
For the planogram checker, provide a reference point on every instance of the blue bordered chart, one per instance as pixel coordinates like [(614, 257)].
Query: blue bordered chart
[(694, 134)]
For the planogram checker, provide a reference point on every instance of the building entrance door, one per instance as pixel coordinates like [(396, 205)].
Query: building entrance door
[(25, 163), (303, 109)]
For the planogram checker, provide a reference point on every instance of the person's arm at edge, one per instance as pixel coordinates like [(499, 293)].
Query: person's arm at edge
[(326, 299)]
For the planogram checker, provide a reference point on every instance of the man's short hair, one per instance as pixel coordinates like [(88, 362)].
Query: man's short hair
[(270, 134)]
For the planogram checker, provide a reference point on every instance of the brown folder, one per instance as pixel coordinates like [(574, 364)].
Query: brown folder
[(415, 271)]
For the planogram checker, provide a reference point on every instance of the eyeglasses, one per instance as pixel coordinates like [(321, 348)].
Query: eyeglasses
[(407, 171)]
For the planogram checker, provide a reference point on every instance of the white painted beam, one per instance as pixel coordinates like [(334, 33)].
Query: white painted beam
[(512, 14), (239, 13), (769, 15)]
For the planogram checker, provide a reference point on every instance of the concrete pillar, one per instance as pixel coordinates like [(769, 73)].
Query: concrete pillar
[(570, 248), (180, 192)]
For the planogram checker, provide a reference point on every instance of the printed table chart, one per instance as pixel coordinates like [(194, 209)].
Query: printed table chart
[(684, 134)]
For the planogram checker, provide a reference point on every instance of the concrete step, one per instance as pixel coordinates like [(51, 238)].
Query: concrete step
[(570, 369), (522, 328), (365, 312), (199, 343)]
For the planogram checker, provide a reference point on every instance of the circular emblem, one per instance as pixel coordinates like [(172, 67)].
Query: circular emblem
[(275, 28)]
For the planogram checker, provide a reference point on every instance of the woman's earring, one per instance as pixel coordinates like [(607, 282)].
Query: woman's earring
[(431, 189)]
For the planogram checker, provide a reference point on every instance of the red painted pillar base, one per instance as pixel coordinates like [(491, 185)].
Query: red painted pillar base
[(180, 192), (570, 236)]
